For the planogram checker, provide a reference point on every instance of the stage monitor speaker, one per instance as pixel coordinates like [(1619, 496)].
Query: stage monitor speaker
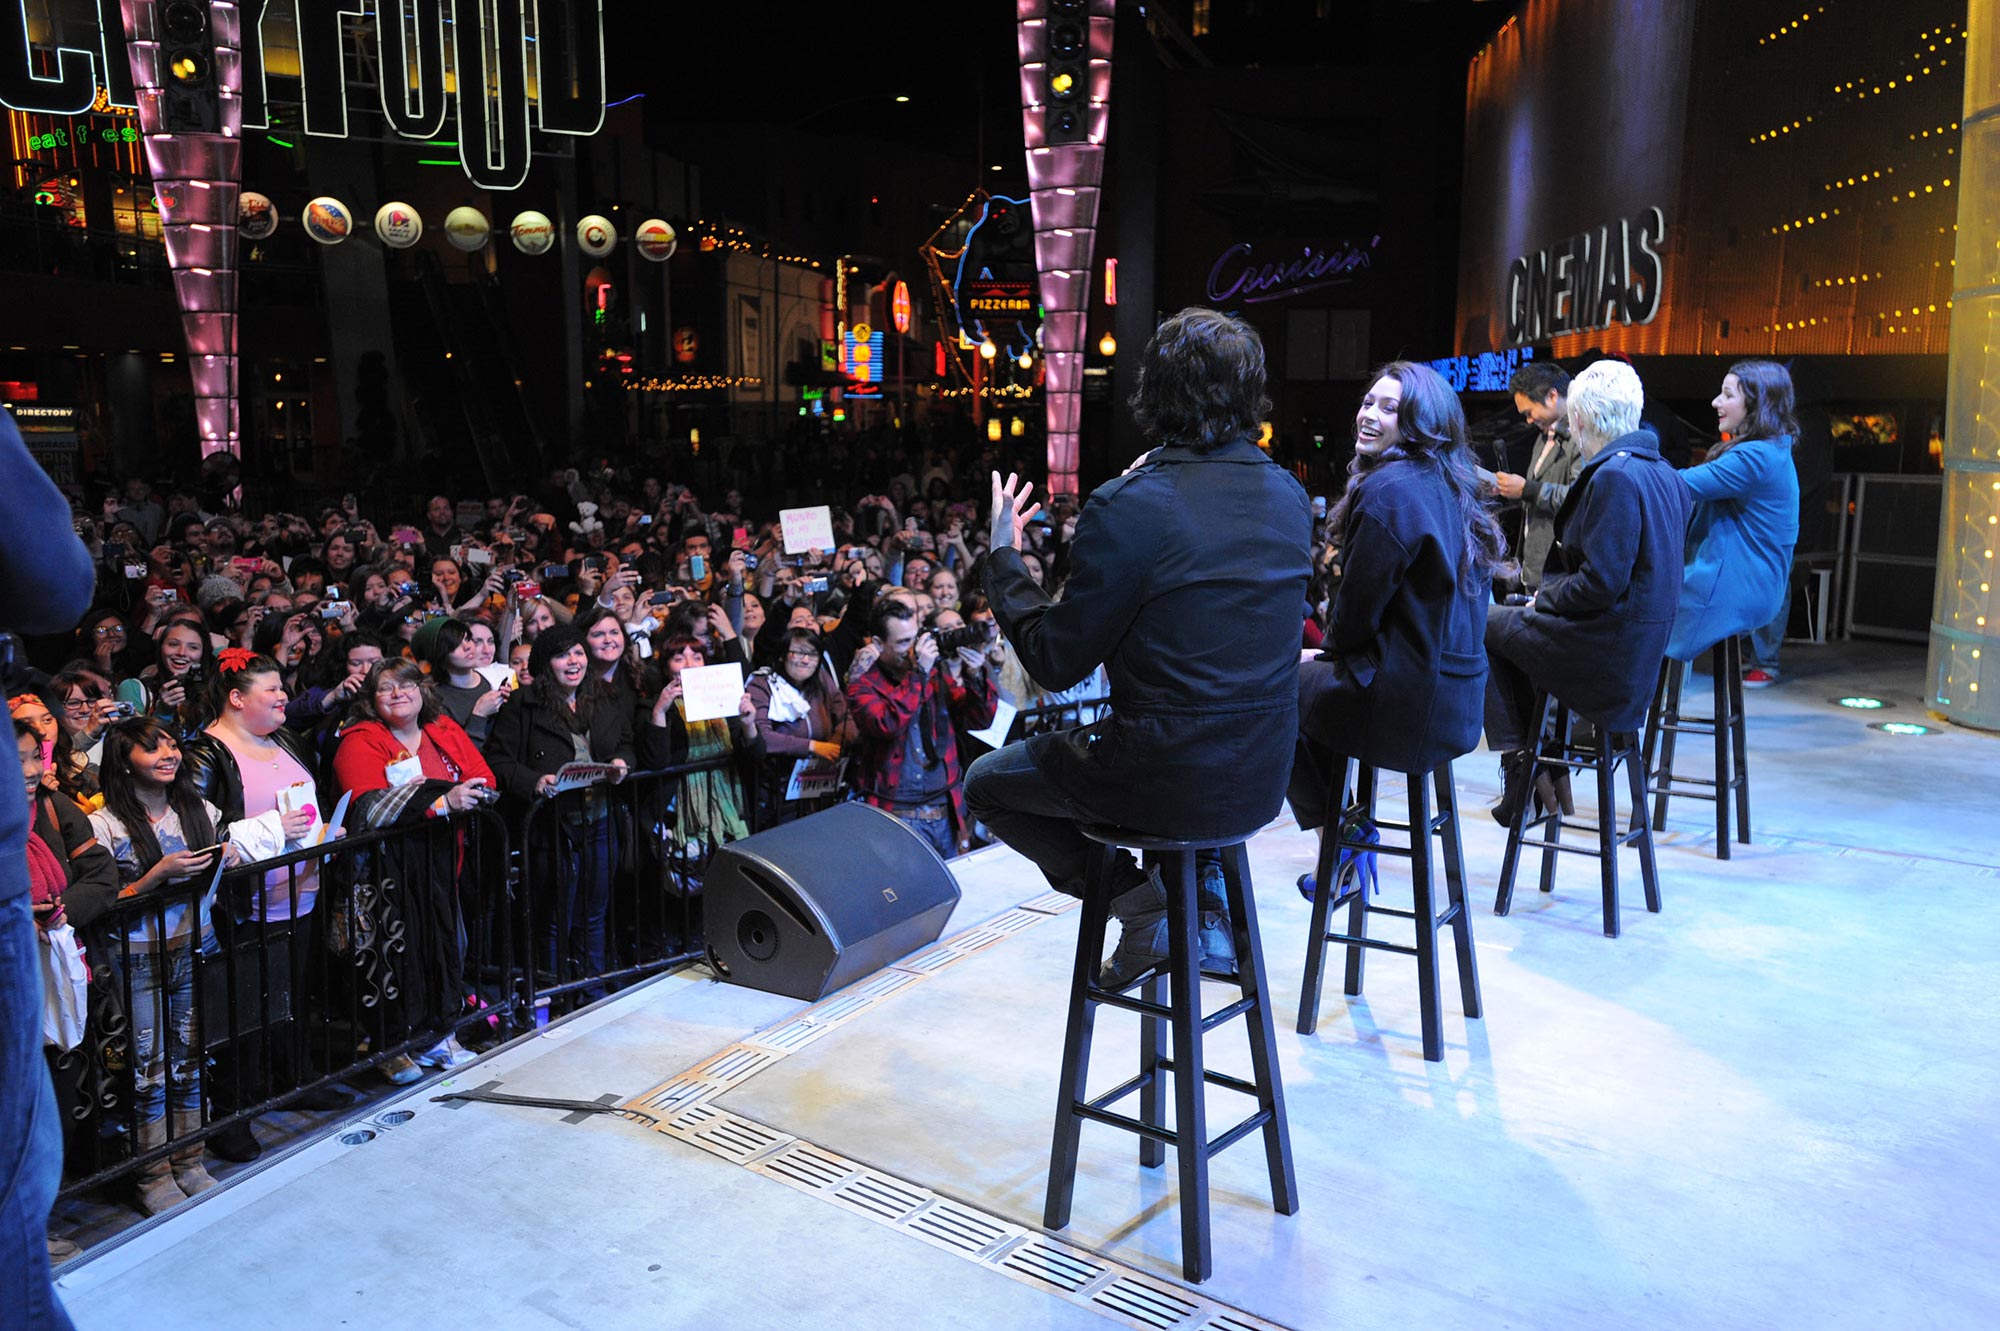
[(815, 905)]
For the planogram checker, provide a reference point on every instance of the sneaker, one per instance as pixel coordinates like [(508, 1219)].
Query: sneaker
[(400, 1070), (1756, 677), (62, 1250), (446, 1053)]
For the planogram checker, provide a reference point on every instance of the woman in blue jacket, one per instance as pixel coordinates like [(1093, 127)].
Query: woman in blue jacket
[(1746, 514), (1402, 681)]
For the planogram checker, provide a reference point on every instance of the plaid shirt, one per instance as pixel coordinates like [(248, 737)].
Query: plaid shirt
[(884, 708)]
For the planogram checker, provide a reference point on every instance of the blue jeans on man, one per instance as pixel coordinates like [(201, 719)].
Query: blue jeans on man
[(30, 1158)]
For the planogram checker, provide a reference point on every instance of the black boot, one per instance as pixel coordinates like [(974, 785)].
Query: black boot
[(1141, 912), (1517, 776)]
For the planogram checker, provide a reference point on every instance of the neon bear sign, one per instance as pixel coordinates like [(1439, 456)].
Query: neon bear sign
[(489, 40)]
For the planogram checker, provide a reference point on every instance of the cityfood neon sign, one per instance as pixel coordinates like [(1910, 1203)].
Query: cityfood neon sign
[(491, 57)]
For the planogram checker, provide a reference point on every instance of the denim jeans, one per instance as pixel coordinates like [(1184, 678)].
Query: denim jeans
[(572, 926), (30, 1137), (1006, 790), (1766, 642), (937, 832), (166, 1065)]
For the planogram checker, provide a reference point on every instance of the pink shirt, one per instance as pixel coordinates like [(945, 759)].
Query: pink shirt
[(263, 778)]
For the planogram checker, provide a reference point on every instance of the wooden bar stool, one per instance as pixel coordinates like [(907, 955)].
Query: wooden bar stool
[(1556, 746), (1423, 824), (1725, 722), (1175, 859)]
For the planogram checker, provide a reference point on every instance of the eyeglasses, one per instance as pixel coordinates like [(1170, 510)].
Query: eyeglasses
[(109, 630), (808, 657), (76, 704), (392, 690)]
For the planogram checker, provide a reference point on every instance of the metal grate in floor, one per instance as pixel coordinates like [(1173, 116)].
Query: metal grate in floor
[(1116, 1292)]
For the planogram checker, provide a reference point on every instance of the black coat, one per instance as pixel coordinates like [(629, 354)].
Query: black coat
[(1598, 629), (220, 780), (1187, 582), (529, 741), (1402, 682)]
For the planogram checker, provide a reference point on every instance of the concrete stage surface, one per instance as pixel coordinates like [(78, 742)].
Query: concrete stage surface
[(1772, 1105)]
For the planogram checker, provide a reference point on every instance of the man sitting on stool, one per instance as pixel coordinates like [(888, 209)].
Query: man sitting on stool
[(1595, 632), (1186, 578)]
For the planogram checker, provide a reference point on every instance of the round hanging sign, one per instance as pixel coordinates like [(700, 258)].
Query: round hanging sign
[(533, 232), (398, 226), (327, 220), (256, 216), (595, 237), (655, 240), (467, 229)]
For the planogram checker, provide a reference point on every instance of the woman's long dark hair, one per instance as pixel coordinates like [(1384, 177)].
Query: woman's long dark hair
[(1767, 403), (1432, 425), (543, 692), (816, 685), (121, 790)]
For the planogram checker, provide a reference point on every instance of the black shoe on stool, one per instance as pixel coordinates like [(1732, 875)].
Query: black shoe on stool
[(1517, 774), (1141, 912)]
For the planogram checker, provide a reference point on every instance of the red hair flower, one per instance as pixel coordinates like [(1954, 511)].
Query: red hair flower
[(234, 659)]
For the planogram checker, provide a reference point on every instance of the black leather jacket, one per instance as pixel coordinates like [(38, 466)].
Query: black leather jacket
[(221, 781)]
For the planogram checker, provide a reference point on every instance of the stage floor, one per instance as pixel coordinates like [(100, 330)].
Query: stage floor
[(1770, 1105)]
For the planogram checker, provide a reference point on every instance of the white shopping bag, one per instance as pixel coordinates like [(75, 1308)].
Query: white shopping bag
[(65, 989)]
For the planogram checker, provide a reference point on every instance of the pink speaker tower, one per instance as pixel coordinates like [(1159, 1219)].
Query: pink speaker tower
[(187, 70), (1065, 48)]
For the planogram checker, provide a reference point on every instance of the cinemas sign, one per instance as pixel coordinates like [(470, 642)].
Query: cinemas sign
[(1597, 278), (491, 58)]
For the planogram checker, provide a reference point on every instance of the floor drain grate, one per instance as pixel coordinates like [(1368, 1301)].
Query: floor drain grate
[(1147, 1304), (880, 1196), (806, 1167), (933, 961), (959, 1228), (725, 1134), (1051, 903), (1054, 1264), (789, 1037)]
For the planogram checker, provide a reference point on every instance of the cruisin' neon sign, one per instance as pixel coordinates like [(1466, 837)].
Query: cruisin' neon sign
[(486, 79), (1237, 276)]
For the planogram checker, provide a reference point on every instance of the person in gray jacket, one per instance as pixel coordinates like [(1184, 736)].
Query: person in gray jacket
[(1541, 396)]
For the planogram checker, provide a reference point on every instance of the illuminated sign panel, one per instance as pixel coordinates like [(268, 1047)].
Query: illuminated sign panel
[(861, 354), (487, 75)]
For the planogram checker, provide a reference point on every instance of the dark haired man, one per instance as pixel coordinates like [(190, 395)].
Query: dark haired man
[(905, 708), (1187, 578), (1541, 396)]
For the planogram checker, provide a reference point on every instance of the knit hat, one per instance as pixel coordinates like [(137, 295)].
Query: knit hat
[(424, 642), (214, 590)]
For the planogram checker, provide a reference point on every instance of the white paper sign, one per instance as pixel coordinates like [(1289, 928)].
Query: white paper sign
[(708, 692), (807, 529), (499, 675), (301, 796), (995, 735), (332, 828)]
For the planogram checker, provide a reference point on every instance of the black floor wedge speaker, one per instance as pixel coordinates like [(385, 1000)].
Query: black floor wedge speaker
[(809, 907)]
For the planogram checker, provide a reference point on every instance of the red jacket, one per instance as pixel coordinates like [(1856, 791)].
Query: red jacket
[(883, 710), (367, 748)]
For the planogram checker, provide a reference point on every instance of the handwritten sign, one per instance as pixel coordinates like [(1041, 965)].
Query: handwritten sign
[(807, 529), (815, 778), (995, 735), (708, 692)]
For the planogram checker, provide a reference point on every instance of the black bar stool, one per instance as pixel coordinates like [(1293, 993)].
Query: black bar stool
[(1556, 746), (1175, 858), (1666, 723), (1423, 878)]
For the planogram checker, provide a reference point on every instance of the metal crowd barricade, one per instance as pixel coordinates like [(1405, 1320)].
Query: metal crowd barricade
[(319, 964), (609, 878), (1034, 721)]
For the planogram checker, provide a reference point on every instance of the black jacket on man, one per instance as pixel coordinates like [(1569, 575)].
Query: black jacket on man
[(1402, 680), (1187, 582), (1598, 629)]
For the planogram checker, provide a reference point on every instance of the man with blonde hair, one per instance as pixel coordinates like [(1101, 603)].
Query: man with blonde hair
[(1595, 632)]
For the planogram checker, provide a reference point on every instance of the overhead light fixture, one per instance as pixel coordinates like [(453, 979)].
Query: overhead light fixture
[(1108, 345)]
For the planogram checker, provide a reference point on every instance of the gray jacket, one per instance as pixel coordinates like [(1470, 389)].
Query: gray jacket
[(1547, 485)]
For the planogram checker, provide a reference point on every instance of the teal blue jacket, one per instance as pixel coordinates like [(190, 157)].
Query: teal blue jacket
[(1739, 545)]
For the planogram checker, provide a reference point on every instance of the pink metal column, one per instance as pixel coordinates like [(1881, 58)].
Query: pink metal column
[(1064, 122), (196, 179)]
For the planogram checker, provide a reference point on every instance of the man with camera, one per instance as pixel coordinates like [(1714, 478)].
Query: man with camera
[(906, 707)]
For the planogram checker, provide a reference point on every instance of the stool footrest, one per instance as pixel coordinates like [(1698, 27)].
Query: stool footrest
[(1380, 945), (1228, 1013)]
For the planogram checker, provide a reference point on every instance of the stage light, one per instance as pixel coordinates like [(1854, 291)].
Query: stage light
[(1861, 704), (1901, 728)]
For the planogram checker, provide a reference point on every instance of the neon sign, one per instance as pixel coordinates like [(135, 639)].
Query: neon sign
[(1235, 276), (487, 78)]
